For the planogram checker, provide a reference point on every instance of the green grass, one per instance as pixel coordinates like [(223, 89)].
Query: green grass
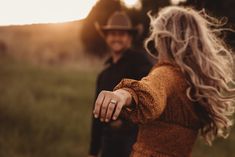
[(46, 112)]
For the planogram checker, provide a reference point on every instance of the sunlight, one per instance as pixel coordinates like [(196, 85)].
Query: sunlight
[(14, 12), (176, 2), (132, 3)]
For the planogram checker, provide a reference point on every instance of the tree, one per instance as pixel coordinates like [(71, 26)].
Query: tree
[(104, 8)]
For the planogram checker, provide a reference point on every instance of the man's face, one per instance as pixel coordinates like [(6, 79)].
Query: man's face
[(118, 40)]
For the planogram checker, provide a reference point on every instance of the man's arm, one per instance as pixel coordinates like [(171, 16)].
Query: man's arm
[(96, 130), (96, 133)]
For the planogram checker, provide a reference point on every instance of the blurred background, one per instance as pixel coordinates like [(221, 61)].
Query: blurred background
[(48, 69)]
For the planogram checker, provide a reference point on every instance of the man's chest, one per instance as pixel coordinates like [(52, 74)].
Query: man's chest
[(113, 75)]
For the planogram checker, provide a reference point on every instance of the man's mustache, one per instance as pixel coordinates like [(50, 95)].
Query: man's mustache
[(119, 42)]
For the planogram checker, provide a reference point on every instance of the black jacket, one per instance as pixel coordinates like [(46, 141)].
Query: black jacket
[(133, 65)]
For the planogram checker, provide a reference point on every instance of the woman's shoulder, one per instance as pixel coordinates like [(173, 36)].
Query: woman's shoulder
[(168, 73), (166, 68)]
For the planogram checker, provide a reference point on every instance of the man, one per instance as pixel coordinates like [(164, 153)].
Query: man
[(115, 138)]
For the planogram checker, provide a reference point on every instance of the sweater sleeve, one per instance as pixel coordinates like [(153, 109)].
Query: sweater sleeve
[(150, 94)]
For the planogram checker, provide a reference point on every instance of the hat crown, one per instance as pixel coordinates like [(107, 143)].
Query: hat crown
[(119, 19)]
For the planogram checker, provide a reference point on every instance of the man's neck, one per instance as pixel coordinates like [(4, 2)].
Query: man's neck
[(117, 55)]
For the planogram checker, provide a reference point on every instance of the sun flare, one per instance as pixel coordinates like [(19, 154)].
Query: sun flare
[(131, 3)]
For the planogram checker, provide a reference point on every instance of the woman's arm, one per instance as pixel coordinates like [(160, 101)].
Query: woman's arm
[(150, 95)]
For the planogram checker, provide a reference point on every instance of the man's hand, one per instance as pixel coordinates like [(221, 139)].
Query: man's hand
[(108, 104)]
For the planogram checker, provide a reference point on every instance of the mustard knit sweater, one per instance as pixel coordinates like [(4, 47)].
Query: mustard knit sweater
[(168, 124)]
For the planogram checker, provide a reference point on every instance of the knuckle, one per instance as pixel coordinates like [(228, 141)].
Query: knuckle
[(97, 104), (104, 91), (119, 107), (111, 108), (103, 107), (101, 94), (118, 98)]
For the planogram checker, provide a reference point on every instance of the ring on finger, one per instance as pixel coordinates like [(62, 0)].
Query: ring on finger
[(113, 101)]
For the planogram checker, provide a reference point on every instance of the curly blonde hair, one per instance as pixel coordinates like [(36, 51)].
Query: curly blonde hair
[(192, 40)]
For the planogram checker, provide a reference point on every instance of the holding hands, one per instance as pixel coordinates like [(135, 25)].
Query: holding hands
[(108, 104)]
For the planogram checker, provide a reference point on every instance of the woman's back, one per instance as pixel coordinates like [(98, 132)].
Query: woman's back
[(168, 123)]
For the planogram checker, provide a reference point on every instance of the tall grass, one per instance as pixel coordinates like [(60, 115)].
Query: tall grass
[(46, 112)]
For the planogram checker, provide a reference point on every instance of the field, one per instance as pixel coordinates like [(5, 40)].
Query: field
[(46, 112)]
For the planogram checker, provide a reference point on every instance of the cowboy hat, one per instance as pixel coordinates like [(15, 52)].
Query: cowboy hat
[(119, 20)]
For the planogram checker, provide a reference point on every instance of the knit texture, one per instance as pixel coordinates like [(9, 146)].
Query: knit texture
[(168, 124)]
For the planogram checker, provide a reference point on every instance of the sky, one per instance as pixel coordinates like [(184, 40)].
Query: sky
[(15, 12), (19, 12), (43, 11)]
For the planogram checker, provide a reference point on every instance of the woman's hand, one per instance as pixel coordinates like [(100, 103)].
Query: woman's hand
[(108, 104)]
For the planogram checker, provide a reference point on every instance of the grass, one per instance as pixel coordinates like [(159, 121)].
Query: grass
[(46, 112)]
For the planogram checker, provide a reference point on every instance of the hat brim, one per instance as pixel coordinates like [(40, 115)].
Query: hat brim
[(108, 28), (138, 30)]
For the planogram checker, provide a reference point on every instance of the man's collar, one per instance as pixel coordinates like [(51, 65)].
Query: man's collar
[(110, 59)]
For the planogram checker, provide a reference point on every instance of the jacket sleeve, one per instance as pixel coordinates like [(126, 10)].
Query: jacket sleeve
[(150, 94), (96, 130)]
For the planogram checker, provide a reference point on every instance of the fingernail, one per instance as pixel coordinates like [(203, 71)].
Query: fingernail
[(96, 116), (106, 120), (114, 118), (101, 119)]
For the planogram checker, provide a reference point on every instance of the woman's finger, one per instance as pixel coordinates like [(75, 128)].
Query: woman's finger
[(98, 104), (104, 107), (117, 110), (110, 110)]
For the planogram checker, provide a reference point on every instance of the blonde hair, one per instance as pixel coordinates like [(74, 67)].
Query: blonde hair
[(191, 39)]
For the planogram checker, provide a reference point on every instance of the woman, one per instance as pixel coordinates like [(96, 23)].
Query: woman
[(184, 95)]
